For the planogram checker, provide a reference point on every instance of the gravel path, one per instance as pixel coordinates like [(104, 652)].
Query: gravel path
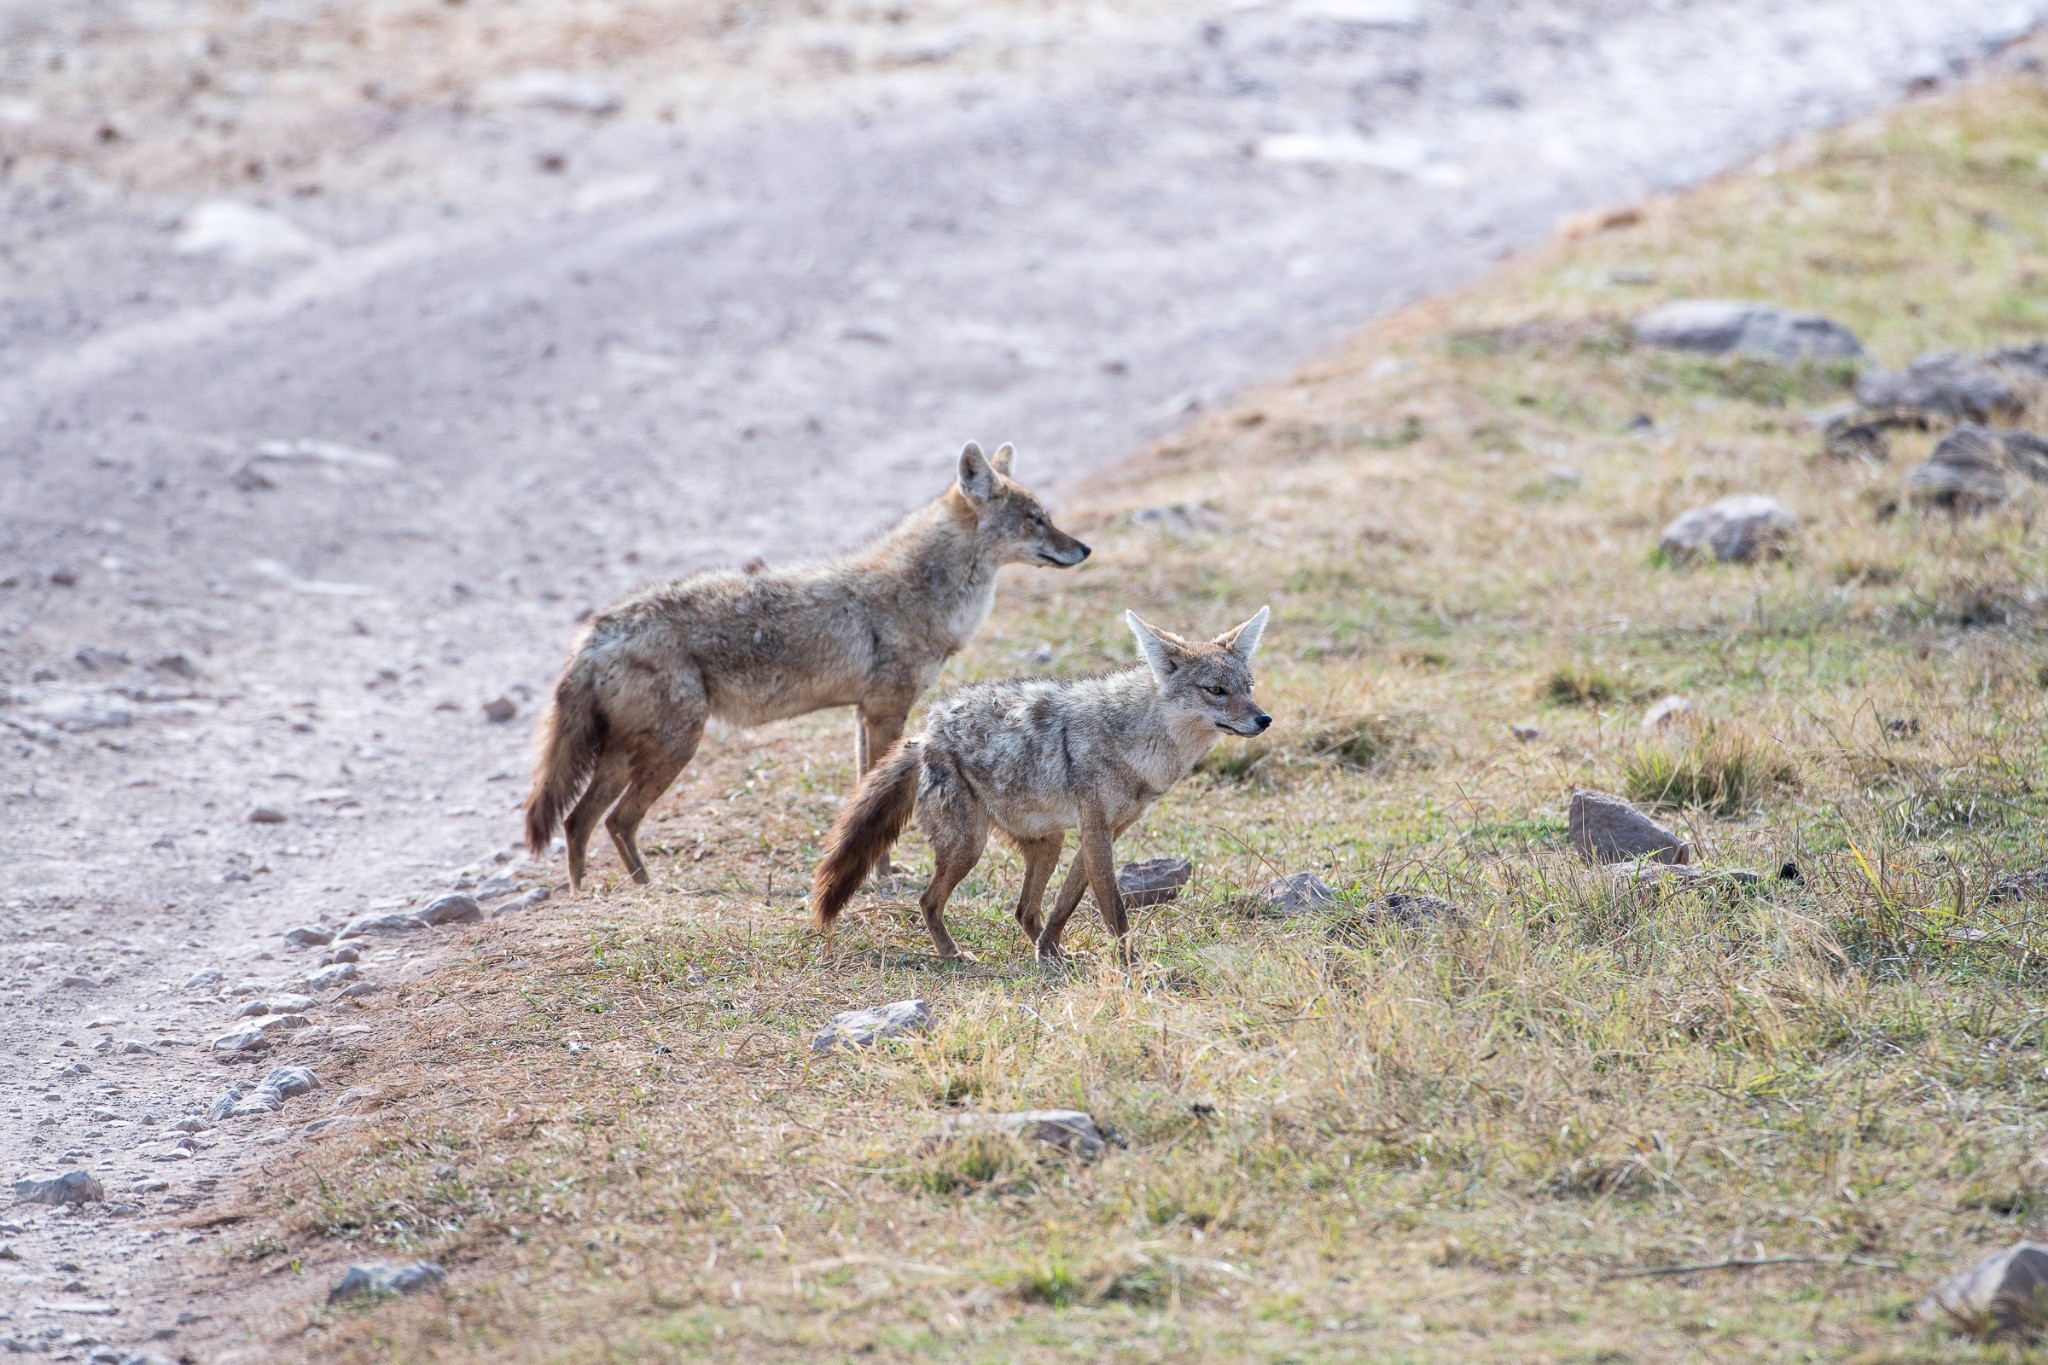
[(277, 528)]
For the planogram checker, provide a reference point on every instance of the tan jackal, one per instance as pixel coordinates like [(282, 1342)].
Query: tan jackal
[(870, 632), (1036, 757)]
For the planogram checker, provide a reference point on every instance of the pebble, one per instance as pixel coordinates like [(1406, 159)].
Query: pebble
[(256, 1034), (1297, 893), (2020, 886), (1412, 910), (1966, 472), (385, 1277), (1526, 731), (279, 1084), (1997, 1296), (454, 908), (1941, 383), (241, 233), (1666, 711), (1738, 529), (209, 977), (1607, 829), (562, 91), (327, 978), (1152, 882), (387, 922), (864, 1028), (267, 815), (361, 990), (73, 1187), (309, 936), (1720, 327), (532, 898), (498, 710), (1068, 1129)]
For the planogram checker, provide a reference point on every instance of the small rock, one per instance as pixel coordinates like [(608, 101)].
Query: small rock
[(256, 1033), (1297, 893), (1666, 711), (498, 710), (327, 978), (1412, 910), (73, 1187), (361, 990), (241, 233), (389, 922), (1718, 327), (1152, 882), (289, 1004), (2003, 1295), (1606, 829), (1640, 876), (1966, 472), (1943, 384), (525, 902), (1738, 529), (222, 1107), (561, 91), (864, 1028), (1068, 1129), (267, 815), (493, 888), (347, 952), (454, 908), (1526, 731), (251, 1010), (385, 1277), (279, 1084), (309, 936)]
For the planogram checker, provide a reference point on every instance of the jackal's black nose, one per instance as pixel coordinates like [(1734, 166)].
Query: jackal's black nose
[(1263, 721), (1085, 551)]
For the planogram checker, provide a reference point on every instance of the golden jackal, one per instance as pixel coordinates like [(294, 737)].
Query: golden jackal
[(869, 632), (1037, 757)]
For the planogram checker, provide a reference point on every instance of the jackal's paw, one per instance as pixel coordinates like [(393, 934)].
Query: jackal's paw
[(959, 957)]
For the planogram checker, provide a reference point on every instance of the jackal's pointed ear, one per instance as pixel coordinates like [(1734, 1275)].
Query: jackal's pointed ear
[(977, 478), (1245, 638), (1161, 651), (1000, 461)]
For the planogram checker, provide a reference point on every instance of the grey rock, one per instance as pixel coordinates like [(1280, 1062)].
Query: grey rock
[(241, 233), (1068, 1129), (389, 922), (455, 908), (563, 92), (1645, 876), (1606, 829), (1966, 472), (1526, 731), (347, 952), (267, 815), (251, 1009), (2029, 359), (1297, 893), (1738, 529), (222, 1107), (377, 1278), (2020, 886), (494, 888), (1720, 327), (1942, 383), (327, 978), (498, 710), (361, 990), (523, 902), (277, 1086), (72, 1187), (257, 1033), (2005, 1294), (309, 936), (1413, 910), (1152, 882), (864, 1028)]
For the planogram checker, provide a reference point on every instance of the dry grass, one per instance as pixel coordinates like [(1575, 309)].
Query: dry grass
[(1377, 1143)]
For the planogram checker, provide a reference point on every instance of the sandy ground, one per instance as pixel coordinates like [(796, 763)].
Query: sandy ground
[(288, 497)]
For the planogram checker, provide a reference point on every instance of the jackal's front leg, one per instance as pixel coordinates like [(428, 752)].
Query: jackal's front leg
[(1098, 855)]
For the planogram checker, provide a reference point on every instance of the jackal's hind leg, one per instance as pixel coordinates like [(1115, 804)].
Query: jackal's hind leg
[(1041, 860), (1071, 891), (1098, 855), (957, 828), (609, 779), (654, 769)]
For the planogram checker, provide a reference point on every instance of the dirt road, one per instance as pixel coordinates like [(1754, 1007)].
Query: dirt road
[(290, 495)]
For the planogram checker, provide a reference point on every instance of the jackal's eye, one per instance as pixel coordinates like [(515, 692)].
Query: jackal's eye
[(1215, 691)]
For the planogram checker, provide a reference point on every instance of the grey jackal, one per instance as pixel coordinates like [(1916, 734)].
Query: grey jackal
[(871, 632), (1038, 757)]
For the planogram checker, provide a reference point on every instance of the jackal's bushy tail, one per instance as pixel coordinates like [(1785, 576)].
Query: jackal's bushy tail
[(867, 825), (571, 737)]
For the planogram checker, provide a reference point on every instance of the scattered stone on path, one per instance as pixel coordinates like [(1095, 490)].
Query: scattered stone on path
[(386, 922), (864, 1028), (1152, 882), (1068, 1129), (72, 1187), (327, 978), (1297, 893), (241, 233), (454, 908), (1526, 731), (1721, 327), (257, 1033), (1738, 529), (267, 815), (347, 952), (361, 990), (523, 902), (209, 977), (1966, 472), (1606, 829), (564, 92), (2005, 1294), (1412, 910), (498, 710), (1667, 711), (1943, 384), (309, 936), (377, 1278), (2020, 886), (279, 1084)]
